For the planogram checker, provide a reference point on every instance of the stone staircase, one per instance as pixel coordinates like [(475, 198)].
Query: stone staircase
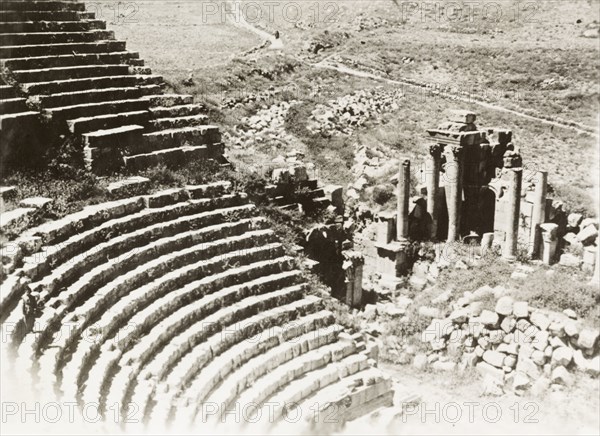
[(62, 69), (184, 304)]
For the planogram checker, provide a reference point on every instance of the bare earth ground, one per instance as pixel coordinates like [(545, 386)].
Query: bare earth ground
[(529, 58)]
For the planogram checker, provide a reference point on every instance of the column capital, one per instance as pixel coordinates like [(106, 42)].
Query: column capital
[(435, 150), (454, 150)]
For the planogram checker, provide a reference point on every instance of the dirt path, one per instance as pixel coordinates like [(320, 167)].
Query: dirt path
[(571, 125), (241, 22)]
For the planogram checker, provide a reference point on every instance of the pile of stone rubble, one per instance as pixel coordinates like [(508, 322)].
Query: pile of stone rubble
[(515, 346), (345, 114)]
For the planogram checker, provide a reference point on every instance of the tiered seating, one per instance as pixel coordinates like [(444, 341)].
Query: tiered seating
[(171, 301), (62, 62)]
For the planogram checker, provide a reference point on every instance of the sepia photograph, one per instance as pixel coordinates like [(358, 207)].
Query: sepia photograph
[(299, 217)]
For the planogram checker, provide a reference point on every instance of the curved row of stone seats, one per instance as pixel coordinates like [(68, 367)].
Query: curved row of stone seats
[(112, 350), (235, 370), (202, 341), (64, 66), (173, 338), (76, 236), (327, 369), (299, 349), (166, 294), (84, 315), (330, 407), (168, 381), (145, 307), (230, 373), (161, 256)]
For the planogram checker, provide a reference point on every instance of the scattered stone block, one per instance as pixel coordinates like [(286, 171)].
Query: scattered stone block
[(588, 222), (588, 235), (508, 324), (538, 357), (571, 239), (521, 382), (489, 318), (562, 356), (529, 367), (570, 313), (588, 338), (539, 320), (571, 328), (570, 260), (494, 358), (574, 219), (510, 361), (521, 309), (561, 375), (504, 306), (459, 316), (540, 341)]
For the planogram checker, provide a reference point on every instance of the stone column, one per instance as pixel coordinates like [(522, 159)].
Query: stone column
[(353, 266), (403, 199), (549, 242), (433, 165), (539, 212), (487, 240), (596, 277), (509, 249), (454, 173)]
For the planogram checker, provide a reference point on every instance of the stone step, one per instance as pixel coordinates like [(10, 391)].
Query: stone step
[(15, 16), (64, 113), (178, 122), (226, 376), (12, 121), (280, 378), (169, 100), (351, 397), (7, 91), (32, 5), (17, 51), (66, 60), (164, 346), (153, 267), (299, 389), (177, 111), (52, 26), (13, 105), (117, 138), (170, 157), (67, 73), (96, 95), (108, 121), (54, 37), (216, 254), (164, 139), (51, 266), (15, 217), (176, 398), (101, 375), (90, 83), (170, 288)]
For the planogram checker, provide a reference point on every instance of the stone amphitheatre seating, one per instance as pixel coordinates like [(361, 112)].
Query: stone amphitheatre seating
[(176, 302), (62, 69)]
